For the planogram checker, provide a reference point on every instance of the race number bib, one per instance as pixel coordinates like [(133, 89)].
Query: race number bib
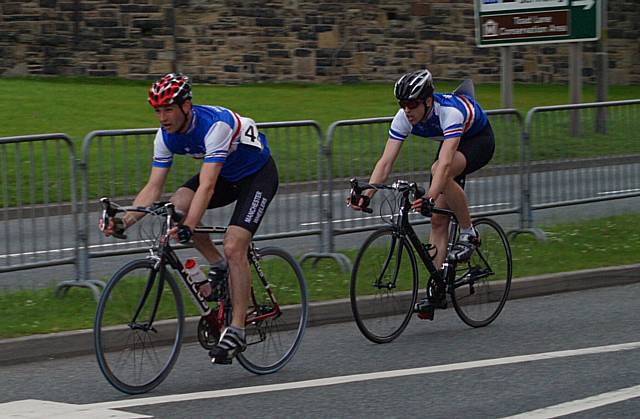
[(249, 133)]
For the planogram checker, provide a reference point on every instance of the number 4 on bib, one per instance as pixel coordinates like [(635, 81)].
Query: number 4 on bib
[(249, 134)]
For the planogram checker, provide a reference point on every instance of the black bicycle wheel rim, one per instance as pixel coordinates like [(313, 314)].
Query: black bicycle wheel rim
[(491, 263), (134, 360), (272, 343), (382, 313)]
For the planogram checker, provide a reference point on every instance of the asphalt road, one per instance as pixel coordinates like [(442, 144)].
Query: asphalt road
[(572, 354)]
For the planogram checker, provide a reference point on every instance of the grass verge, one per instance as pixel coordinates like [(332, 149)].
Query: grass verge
[(595, 243), (77, 106)]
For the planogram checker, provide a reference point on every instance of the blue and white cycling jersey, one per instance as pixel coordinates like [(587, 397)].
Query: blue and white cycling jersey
[(216, 135), (452, 115)]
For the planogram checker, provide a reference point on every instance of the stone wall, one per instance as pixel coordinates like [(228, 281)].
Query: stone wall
[(234, 41)]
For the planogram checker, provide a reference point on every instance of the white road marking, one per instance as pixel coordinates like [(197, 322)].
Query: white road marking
[(38, 408), (619, 191), (575, 406), (497, 204), (70, 249), (329, 381)]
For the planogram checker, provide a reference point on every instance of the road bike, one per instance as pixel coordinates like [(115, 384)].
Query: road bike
[(140, 318), (384, 280)]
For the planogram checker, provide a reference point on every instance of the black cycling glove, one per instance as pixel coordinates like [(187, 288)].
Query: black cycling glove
[(119, 226), (184, 233), (355, 200), (427, 205)]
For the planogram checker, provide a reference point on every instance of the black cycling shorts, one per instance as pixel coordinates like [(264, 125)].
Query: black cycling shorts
[(477, 150), (252, 193)]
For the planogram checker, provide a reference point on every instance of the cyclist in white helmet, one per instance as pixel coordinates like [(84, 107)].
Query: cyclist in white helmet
[(466, 144)]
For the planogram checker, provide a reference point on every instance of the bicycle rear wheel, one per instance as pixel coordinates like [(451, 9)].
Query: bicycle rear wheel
[(384, 285), (481, 285), (138, 327), (277, 315)]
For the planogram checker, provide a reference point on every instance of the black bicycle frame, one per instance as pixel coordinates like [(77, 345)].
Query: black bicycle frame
[(407, 229)]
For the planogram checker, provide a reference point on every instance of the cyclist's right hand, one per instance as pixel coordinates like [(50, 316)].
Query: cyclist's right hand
[(359, 202), (113, 227)]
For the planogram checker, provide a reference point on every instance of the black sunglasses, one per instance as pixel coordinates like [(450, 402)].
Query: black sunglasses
[(410, 104)]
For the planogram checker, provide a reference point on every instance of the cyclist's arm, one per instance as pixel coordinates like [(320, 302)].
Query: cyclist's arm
[(383, 167), (149, 194), (445, 159), (209, 174)]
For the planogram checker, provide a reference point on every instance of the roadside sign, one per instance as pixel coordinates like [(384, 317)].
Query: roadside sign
[(515, 22)]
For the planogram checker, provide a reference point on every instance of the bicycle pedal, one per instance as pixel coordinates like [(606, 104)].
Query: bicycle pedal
[(221, 361), (424, 311), (426, 315)]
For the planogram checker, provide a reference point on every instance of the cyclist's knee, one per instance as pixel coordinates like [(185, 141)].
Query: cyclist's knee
[(236, 243)]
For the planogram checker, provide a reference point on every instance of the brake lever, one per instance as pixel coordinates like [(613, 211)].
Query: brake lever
[(356, 190), (108, 213)]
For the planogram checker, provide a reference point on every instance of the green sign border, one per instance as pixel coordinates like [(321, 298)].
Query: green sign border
[(577, 14)]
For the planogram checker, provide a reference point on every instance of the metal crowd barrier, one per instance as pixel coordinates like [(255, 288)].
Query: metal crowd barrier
[(580, 153), (117, 164), (354, 146), (39, 205), (564, 155)]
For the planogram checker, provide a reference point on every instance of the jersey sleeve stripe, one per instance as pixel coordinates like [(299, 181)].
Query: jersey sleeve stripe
[(217, 153), (452, 133), (162, 163), (470, 112), (236, 133), (396, 135)]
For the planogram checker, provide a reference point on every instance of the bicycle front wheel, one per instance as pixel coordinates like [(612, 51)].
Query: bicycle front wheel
[(384, 285), (138, 327), (481, 285), (277, 315)]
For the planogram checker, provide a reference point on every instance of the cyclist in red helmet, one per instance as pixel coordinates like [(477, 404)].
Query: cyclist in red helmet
[(172, 89), (237, 166)]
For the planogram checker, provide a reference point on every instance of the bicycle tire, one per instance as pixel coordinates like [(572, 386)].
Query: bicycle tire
[(481, 284), (132, 359), (382, 311), (272, 342)]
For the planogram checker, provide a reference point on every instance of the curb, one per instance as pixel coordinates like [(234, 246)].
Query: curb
[(80, 342)]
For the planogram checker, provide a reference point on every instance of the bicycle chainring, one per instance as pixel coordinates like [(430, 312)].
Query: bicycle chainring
[(208, 332)]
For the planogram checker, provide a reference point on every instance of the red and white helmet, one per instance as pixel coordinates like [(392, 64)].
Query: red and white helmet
[(170, 89)]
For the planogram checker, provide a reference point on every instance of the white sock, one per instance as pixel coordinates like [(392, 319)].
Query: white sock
[(239, 332), (470, 231)]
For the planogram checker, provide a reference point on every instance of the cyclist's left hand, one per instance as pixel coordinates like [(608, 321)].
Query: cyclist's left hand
[(181, 233), (424, 205)]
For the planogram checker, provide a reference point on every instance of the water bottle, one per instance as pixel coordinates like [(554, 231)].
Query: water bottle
[(198, 277)]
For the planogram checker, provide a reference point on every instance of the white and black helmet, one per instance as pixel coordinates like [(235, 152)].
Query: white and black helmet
[(414, 85)]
